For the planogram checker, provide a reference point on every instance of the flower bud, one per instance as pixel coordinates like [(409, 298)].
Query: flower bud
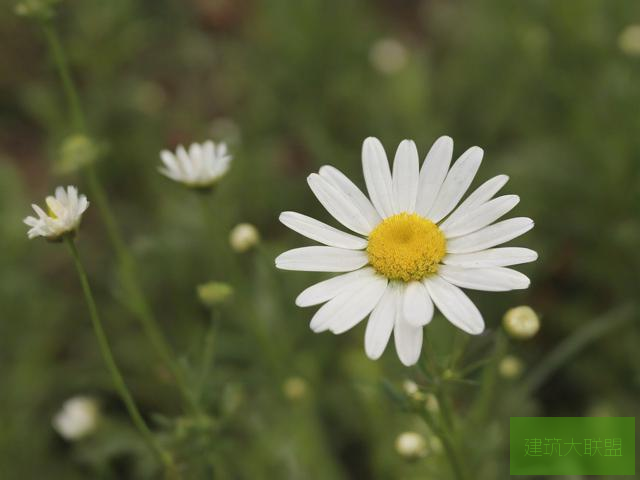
[(510, 367), (243, 237), (411, 445), (76, 152), (294, 388), (629, 40), (214, 293), (431, 403), (388, 56), (521, 322)]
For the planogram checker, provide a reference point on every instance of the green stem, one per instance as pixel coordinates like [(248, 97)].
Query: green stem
[(490, 377), (445, 428), (57, 53), (107, 355), (125, 260), (445, 437), (208, 352)]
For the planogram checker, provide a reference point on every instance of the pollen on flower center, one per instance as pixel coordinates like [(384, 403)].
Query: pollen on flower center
[(406, 247)]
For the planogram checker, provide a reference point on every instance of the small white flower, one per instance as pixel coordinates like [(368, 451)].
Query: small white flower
[(199, 167), (243, 237), (414, 247), (65, 212), (411, 445), (77, 418)]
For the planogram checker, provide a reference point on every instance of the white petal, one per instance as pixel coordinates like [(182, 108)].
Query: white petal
[(338, 204), (340, 181), (361, 302), (377, 176), (433, 172), (321, 232), (417, 306), (349, 305), (489, 279), (406, 170), (490, 236), (456, 184), (327, 289), (169, 161), (321, 259), (455, 305), (408, 340), (480, 216), (381, 323), (479, 196), (493, 257)]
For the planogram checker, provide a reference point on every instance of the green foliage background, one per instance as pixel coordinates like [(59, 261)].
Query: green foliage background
[(542, 86)]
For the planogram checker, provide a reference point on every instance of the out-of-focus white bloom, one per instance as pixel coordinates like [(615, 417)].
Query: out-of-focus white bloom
[(199, 167), (294, 388), (411, 445), (65, 212), (521, 322), (243, 237), (78, 417), (510, 367), (388, 55), (629, 40)]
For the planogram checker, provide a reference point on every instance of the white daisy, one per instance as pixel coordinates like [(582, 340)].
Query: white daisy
[(199, 167), (413, 248), (64, 213)]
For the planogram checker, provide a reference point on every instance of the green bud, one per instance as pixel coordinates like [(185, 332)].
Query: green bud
[(214, 293), (76, 152)]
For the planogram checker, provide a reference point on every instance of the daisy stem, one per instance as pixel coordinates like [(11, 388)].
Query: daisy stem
[(126, 264), (107, 355), (208, 352), (445, 428)]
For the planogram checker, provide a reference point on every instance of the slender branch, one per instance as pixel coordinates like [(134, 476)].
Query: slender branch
[(109, 360)]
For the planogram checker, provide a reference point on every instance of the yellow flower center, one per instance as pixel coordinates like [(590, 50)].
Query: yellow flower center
[(406, 247)]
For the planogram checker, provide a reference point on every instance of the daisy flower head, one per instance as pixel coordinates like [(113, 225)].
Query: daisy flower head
[(414, 245), (200, 167), (63, 217)]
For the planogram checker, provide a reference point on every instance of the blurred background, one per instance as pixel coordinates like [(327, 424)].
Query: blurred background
[(549, 89)]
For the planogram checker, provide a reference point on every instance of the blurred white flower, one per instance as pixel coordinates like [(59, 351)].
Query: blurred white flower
[(411, 445), (243, 237), (388, 55), (629, 40), (415, 246), (521, 322), (510, 367), (65, 212), (78, 417), (199, 167)]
